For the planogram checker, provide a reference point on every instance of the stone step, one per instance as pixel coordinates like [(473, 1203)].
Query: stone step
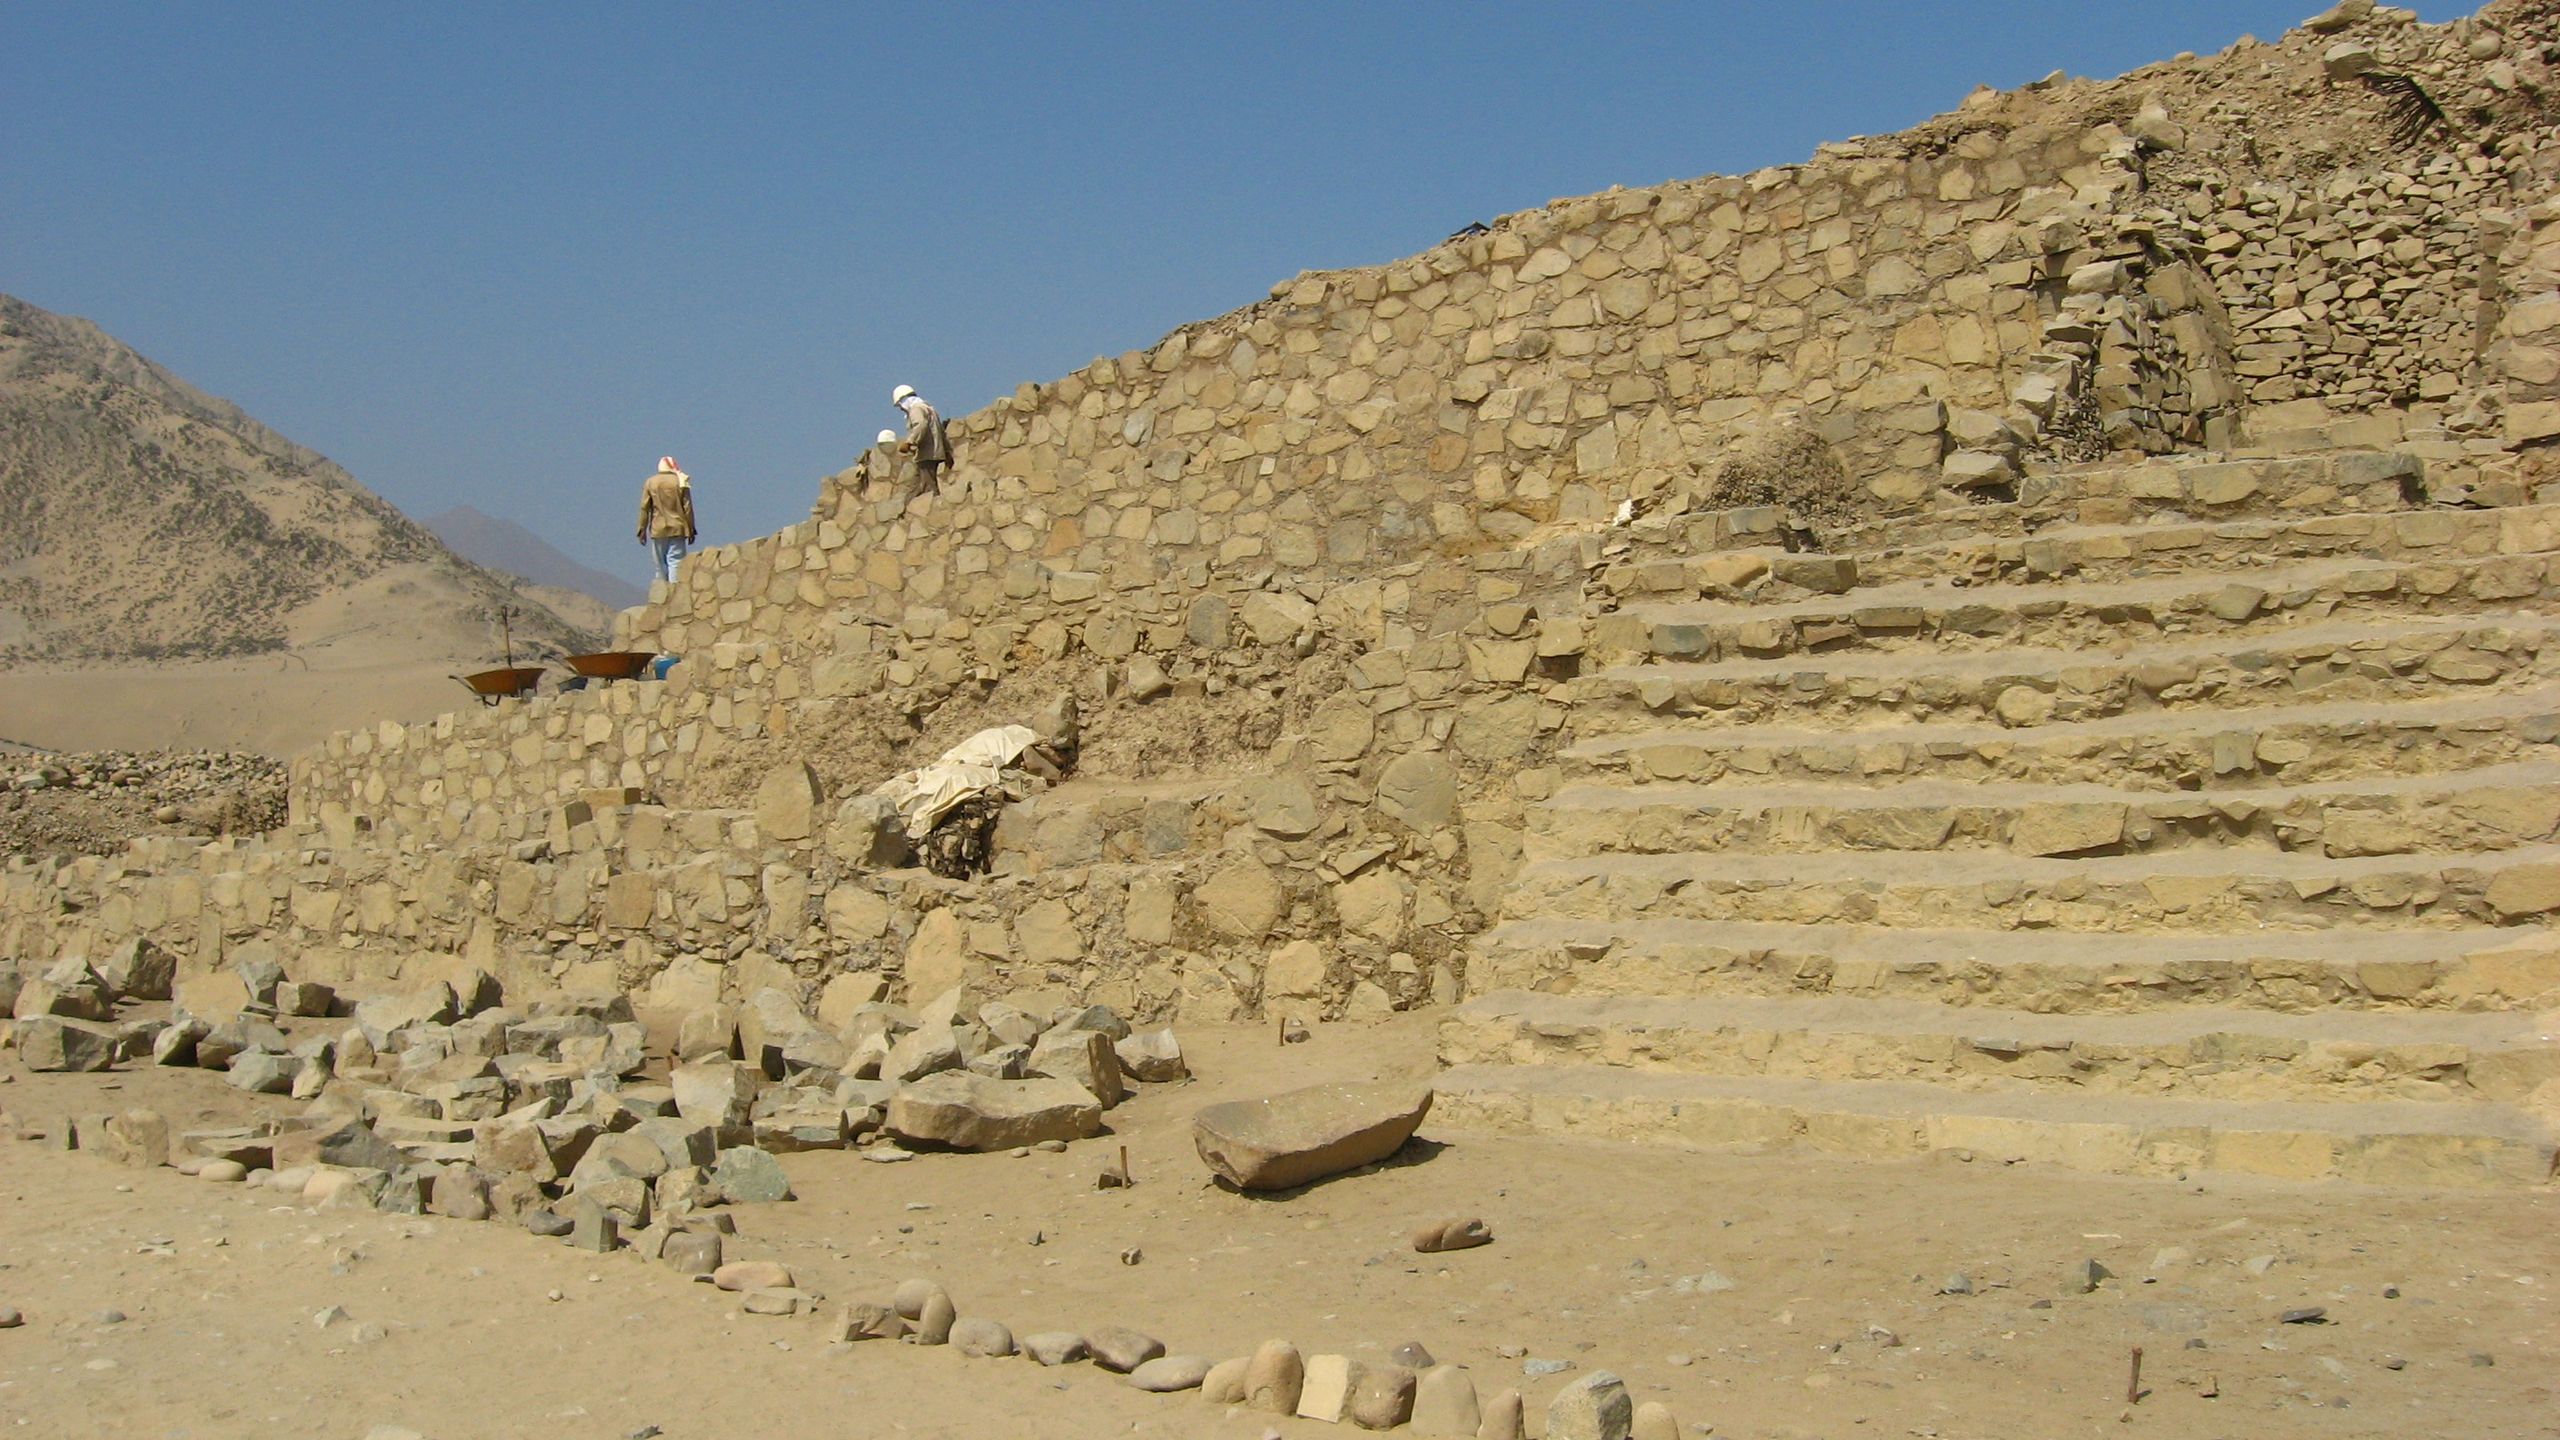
[(2330, 483), (2494, 808), (1702, 559), (2372, 660), (2182, 890), (2198, 1052), (2203, 487), (2378, 1142), (2123, 552), (1730, 572), (2029, 970), (2234, 607), (2141, 750)]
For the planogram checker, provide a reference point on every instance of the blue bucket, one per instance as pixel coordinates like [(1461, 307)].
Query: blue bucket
[(659, 667)]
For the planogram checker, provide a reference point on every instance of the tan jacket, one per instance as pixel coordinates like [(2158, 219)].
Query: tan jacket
[(927, 439), (666, 507)]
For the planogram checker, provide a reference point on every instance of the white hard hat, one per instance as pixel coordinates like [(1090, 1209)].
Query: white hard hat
[(902, 395), (887, 437)]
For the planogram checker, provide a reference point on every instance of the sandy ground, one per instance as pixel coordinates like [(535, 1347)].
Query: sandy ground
[(387, 648), (273, 705), (452, 1330)]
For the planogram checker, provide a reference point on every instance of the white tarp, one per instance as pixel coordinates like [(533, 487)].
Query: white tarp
[(973, 767)]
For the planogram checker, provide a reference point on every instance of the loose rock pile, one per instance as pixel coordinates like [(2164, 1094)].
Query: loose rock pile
[(445, 1100), (92, 804)]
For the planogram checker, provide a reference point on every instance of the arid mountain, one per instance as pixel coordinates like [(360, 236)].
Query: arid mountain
[(503, 545), (174, 573)]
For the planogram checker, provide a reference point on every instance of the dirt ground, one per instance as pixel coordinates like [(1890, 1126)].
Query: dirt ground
[(1753, 1292)]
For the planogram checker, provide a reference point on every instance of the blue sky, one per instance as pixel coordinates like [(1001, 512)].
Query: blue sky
[(507, 255)]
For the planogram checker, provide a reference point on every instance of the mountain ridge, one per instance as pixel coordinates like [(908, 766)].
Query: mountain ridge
[(497, 543)]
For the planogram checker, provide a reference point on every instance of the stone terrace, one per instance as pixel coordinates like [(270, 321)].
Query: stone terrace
[(2185, 576), (2246, 867)]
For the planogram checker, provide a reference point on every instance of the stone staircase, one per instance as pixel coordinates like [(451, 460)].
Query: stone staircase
[(2182, 815)]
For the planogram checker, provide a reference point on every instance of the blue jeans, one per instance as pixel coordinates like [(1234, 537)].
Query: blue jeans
[(666, 554)]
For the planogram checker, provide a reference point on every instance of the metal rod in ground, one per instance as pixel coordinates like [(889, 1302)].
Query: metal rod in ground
[(2133, 1382), (1125, 1177)]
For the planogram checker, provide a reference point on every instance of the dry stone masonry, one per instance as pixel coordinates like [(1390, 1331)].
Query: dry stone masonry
[(2026, 634)]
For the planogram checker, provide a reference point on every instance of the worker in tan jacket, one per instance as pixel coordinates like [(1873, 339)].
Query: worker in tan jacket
[(666, 516)]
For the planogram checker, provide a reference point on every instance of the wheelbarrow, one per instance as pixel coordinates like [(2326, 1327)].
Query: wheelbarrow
[(502, 683), (612, 664)]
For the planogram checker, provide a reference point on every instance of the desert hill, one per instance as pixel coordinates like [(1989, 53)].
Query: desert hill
[(173, 573)]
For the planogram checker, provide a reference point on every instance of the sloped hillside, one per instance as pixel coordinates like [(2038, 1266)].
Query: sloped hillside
[(141, 519)]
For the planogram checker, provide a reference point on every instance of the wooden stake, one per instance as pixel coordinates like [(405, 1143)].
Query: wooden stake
[(2133, 1382), (1128, 1179)]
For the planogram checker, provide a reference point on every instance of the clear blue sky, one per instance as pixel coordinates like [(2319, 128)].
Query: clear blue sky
[(507, 254)]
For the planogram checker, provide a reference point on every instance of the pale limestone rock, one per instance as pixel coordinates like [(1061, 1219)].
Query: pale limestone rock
[(972, 1112), (1275, 1376), (1153, 1056), (1053, 1347), (744, 1275), (1084, 1058), (714, 1092), (847, 993), (49, 1042), (138, 969), (1285, 806), (1296, 973), (1381, 1397), (1224, 1384), (1302, 1136), (1594, 1407), (787, 803), (1122, 1350), (1274, 617), (1169, 1374), (2067, 828), (939, 957), (1444, 1403), (1373, 904), (1326, 1393), (1241, 899)]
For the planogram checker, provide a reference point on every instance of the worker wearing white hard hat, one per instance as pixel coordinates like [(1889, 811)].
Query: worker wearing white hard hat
[(928, 440)]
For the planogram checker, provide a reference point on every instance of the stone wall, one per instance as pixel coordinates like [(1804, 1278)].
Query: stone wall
[(1357, 525)]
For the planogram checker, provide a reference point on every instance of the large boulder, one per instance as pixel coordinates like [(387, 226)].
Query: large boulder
[(340, 1140), (715, 1092), (1083, 1057), (139, 970), (769, 1024), (1303, 1136), (69, 989), (430, 1004), (973, 1112), (50, 1042)]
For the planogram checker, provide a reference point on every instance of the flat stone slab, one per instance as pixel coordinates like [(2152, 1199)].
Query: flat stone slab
[(1303, 1136), (974, 1112)]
